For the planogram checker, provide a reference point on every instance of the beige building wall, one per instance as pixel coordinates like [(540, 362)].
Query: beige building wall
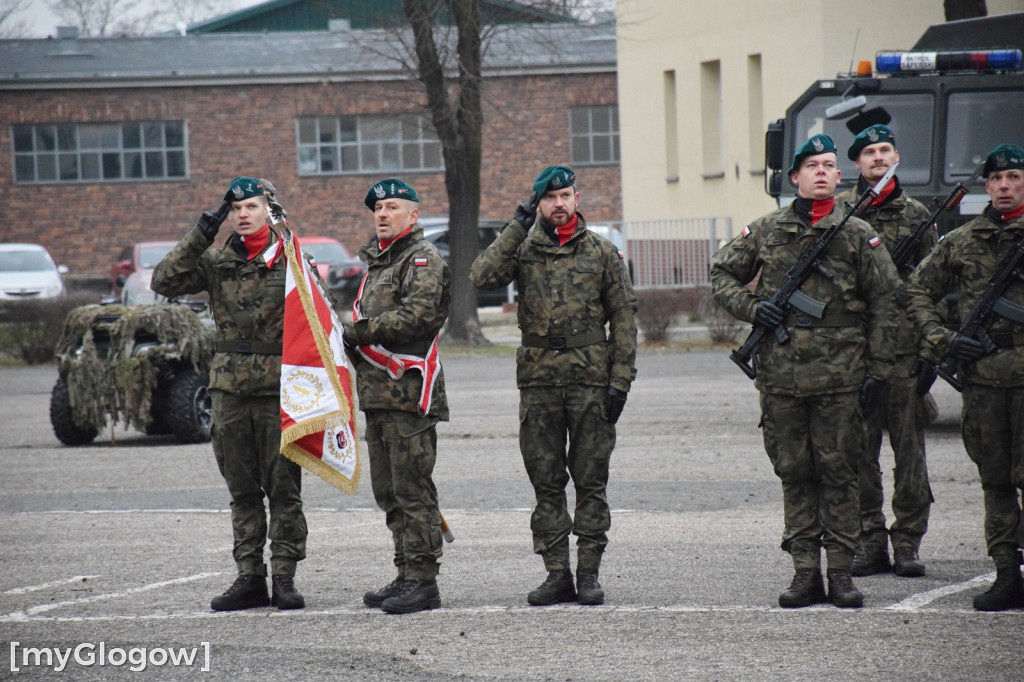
[(699, 82)]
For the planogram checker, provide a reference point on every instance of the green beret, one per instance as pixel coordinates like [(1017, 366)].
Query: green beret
[(389, 188), (870, 135), (819, 144), (554, 177), (243, 188), (1003, 157)]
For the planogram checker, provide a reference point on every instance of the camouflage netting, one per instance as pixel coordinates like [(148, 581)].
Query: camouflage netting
[(104, 381)]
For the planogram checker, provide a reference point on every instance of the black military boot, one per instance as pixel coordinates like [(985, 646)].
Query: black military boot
[(283, 594), (906, 563), (588, 590), (247, 592), (375, 598), (871, 558), (416, 595), (557, 588), (1007, 592), (807, 588), (841, 590)]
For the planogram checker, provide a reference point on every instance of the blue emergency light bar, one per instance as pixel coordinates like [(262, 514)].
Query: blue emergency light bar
[(982, 60)]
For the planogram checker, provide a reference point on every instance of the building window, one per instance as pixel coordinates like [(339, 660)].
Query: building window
[(331, 145), (100, 152), (594, 134), (712, 143)]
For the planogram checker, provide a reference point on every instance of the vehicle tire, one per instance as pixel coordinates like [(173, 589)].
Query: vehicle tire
[(64, 426), (190, 414)]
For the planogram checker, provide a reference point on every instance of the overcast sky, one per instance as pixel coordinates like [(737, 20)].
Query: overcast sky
[(42, 22)]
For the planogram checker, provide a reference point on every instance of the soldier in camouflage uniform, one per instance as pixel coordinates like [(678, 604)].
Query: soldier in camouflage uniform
[(573, 379), (247, 302), (402, 304), (902, 412), (816, 386), (993, 395)]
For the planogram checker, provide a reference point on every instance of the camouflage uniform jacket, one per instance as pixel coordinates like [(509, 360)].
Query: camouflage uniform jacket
[(829, 356), (893, 220), (405, 301), (570, 290), (965, 260), (247, 302)]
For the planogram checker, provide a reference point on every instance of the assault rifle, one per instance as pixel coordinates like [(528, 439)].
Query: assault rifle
[(990, 304), (789, 295), (907, 246)]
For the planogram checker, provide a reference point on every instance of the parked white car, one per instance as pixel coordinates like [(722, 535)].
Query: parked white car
[(27, 272)]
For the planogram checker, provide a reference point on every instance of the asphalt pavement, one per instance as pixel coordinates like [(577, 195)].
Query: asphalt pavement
[(113, 551)]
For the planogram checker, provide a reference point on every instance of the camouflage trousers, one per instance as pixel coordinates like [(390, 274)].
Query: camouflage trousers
[(814, 444), (993, 433), (547, 416), (403, 448), (904, 414), (246, 443)]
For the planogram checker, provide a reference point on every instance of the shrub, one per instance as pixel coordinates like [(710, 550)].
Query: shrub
[(655, 312), (722, 326), (29, 330)]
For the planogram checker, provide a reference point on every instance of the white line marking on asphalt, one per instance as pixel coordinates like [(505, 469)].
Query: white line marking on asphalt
[(52, 583), (28, 613), (916, 601)]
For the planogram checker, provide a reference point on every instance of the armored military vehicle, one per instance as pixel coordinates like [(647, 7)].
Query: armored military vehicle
[(146, 366)]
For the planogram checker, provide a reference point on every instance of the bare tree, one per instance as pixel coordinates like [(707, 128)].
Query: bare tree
[(964, 9), (96, 18), (10, 28)]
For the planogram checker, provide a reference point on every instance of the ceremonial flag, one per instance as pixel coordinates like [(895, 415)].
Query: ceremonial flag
[(318, 424)]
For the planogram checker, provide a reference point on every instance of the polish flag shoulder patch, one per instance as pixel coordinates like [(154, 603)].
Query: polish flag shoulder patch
[(874, 241), (746, 231), (419, 261)]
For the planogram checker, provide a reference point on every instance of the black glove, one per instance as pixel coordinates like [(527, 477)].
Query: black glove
[(870, 396), (614, 401), (526, 212), (209, 223), (768, 315), (967, 350), (925, 372)]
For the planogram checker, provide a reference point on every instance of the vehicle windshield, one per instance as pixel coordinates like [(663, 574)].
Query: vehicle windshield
[(911, 121), (25, 261), (326, 252), (978, 121), (150, 256)]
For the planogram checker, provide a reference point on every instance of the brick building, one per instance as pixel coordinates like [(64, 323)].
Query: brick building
[(108, 141)]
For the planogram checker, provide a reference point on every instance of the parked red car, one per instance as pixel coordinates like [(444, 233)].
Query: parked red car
[(136, 256), (339, 269)]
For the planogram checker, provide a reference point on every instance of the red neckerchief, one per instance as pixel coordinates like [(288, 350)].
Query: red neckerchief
[(821, 208), (884, 194), (1015, 213), (256, 242), (385, 243), (565, 231)]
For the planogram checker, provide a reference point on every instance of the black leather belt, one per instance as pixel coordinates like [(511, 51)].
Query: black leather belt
[(564, 342), (1002, 339), (796, 318), (251, 347)]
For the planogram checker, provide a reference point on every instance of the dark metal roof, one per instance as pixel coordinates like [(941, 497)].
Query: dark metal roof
[(288, 57), (983, 33)]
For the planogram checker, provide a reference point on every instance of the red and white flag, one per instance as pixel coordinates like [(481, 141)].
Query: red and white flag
[(318, 424)]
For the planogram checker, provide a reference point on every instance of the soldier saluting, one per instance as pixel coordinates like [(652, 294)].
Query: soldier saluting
[(968, 260), (817, 383)]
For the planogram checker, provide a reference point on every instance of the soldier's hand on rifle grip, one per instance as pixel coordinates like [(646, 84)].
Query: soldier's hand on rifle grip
[(768, 315), (614, 401), (926, 372), (870, 395), (209, 223), (966, 350), (526, 212)]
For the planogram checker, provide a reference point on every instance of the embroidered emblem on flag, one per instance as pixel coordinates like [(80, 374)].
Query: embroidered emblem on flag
[(419, 261), (874, 241), (318, 425)]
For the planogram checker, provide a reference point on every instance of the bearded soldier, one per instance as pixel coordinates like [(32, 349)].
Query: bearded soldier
[(902, 412), (573, 375), (401, 306), (993, 378), (246, 289), (816, 386)]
